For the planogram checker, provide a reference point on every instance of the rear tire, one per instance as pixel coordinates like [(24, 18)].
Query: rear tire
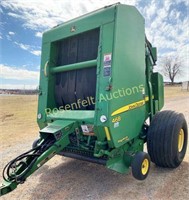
[(167, 139), (140, 165)]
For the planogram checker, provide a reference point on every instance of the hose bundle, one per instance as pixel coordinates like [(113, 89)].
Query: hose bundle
[(17, 169)]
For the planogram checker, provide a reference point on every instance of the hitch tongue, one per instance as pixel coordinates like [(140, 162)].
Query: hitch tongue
[(7, 187), (54, 139)]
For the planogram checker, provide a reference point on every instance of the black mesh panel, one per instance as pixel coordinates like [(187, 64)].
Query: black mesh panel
[(77, 85)]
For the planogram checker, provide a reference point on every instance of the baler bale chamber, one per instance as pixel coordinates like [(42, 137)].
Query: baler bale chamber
[(97, 91)]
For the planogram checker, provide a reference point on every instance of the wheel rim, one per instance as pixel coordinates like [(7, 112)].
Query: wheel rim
[(145, 166), (180, 140)]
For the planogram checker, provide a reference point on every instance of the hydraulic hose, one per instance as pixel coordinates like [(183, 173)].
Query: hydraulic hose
[(17, 169)]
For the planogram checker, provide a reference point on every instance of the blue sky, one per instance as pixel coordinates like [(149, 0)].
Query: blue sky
[(23, 22)]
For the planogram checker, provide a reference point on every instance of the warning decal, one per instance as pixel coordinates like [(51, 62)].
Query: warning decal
[(107, 64)]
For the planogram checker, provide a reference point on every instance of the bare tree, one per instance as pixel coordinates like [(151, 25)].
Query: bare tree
[(172, 67)]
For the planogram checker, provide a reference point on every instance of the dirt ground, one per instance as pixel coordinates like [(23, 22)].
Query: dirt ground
[(65, 178)]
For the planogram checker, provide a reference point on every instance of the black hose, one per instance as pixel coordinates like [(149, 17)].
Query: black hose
[(32, 154), (12, 162)]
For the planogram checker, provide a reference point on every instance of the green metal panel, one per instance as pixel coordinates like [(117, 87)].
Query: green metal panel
[(70, 67), (128, 75), (43, 85), (80, 24), (158, 89), (79, 115), (103, 82)]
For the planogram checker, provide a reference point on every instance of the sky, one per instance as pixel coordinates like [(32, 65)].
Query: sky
[(22, 23)]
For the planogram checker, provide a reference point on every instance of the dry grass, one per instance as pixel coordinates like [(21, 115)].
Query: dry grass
[(175, 91), (17, 119)]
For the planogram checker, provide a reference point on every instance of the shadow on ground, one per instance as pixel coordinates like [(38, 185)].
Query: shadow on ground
[(75, 179)]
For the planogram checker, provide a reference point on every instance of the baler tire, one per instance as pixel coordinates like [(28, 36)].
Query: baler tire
[(167, 139), (140, 165)]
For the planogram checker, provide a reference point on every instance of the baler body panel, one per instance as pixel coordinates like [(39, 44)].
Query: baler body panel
[(157, 84), (128, 76)]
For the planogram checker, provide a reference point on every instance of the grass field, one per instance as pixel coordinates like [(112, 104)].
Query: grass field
[(176, 91), (17, 119)]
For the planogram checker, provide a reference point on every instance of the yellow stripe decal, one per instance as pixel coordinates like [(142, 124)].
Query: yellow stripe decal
[(129, 107), (123, 139), (107, 133)]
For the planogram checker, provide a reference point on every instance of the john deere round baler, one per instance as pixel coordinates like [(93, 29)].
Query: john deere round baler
[(99, 99)]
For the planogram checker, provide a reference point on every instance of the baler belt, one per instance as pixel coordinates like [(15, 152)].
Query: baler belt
[(77, 85)]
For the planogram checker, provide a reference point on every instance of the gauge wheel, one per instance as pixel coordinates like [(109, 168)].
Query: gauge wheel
[(140, 165)]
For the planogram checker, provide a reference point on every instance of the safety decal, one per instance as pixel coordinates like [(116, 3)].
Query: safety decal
[(107, 64)]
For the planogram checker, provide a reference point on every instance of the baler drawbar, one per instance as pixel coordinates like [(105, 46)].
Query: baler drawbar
[(18, 169)]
